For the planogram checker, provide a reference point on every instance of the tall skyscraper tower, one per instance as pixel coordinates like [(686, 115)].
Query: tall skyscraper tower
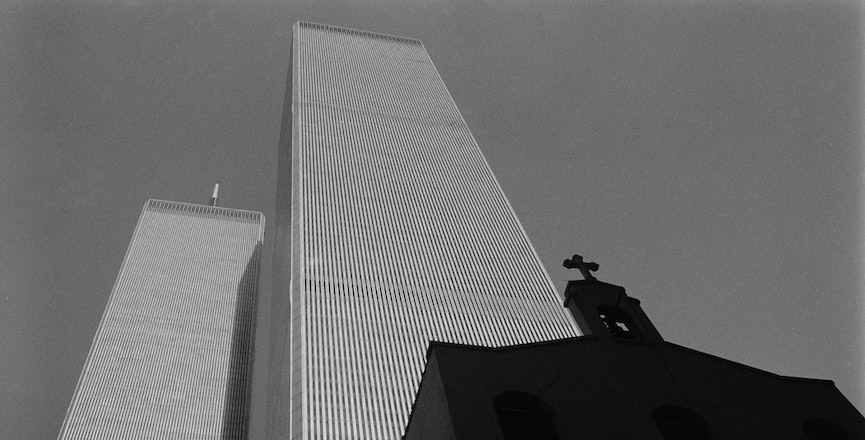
[(392, 231), (172, 356)]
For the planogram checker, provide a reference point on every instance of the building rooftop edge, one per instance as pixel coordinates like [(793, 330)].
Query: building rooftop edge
[(357, 32), (433, 344), (205, 209)]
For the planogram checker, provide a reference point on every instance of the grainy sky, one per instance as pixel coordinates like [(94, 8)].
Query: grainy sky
[(708, 155)]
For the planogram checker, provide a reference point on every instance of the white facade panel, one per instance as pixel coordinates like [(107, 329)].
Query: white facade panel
[(399, 234)]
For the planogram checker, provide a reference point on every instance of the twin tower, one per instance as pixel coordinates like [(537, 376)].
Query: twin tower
[(391, 232)]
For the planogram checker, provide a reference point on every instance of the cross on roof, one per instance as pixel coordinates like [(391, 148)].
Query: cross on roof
[(576, 262)]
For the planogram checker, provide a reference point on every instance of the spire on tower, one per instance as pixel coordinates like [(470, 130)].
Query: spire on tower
[(215, 195)]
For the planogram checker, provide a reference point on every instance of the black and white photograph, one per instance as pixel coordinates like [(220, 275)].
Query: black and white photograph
[(432, 219)]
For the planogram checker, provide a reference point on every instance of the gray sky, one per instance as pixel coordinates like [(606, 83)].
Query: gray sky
[(708, 155)]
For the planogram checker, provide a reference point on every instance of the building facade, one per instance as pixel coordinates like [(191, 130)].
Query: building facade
[(172, 356), (391, 232)]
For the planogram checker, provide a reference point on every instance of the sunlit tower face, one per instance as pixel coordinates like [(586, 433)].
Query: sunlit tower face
[(172, 357), (392, 231)]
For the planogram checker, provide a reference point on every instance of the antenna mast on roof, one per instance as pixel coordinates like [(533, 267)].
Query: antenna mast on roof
[(215, 195)]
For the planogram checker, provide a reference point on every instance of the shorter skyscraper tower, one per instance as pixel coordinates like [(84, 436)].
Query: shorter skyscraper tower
[(172, 356)]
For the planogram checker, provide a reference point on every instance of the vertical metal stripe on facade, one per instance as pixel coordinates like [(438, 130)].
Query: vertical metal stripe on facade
[(172, 357), (400, 234)]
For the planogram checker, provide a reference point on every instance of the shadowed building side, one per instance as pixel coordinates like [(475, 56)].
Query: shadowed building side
[(172, 356), (238, 392)]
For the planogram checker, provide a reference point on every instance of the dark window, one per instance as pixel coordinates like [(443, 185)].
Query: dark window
[(523, 416), (618, 322), (677, 423), (819, 429)]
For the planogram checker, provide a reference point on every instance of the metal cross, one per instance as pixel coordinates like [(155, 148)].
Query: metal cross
[(576, 262)]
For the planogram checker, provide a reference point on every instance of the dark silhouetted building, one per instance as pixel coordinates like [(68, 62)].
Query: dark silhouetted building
[(619, 381)]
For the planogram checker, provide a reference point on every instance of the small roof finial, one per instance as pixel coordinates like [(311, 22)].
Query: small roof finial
[(215, 195), (576, 262)]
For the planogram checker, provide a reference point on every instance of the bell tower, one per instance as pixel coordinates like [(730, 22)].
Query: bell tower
[(605, 310)]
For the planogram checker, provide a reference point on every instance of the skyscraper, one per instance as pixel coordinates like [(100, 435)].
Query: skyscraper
[(392, 231), (172, 356)]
